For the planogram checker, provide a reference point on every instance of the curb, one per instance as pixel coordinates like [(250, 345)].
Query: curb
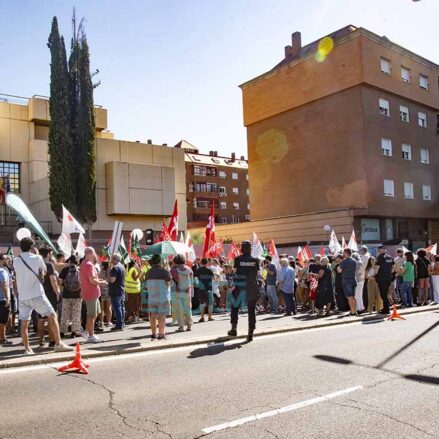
[(206, 340)]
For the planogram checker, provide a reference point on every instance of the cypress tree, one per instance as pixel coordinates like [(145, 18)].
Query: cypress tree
[(61, 188)]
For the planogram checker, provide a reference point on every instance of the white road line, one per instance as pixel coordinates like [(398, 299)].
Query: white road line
[(288, 408)]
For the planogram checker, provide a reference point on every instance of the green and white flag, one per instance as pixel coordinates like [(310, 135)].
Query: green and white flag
[(123, 252)]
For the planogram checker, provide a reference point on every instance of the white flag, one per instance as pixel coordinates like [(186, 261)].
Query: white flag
[(80, 246), (65, 244), (343, 243), (69, 224), (257, 249), (334, 245), (353, 242), (191, 256)]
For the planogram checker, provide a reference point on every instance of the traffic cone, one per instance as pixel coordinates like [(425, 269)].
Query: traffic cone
[(395, 315), (77, 365)]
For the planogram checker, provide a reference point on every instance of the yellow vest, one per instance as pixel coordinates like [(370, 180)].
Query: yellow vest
[(131, 286)]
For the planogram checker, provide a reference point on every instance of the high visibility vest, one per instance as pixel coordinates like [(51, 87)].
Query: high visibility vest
[(131, 286)]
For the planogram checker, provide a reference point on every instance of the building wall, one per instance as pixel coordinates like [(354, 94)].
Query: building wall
[(308, 159)]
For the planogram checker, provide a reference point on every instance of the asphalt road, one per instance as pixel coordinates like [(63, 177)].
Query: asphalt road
[(385, 377)]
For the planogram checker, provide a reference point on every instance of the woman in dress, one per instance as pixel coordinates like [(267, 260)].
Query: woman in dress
[(325, 294), (182, 292)]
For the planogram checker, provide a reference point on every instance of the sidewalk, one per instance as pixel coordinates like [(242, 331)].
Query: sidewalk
[(135, 338)]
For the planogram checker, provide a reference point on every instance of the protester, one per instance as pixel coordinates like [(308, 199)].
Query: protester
[(325, 294), (313, 271), (158, 281), (90, 290), (359, 278), (408, 279), (373, 292), (302, 291), (71, 298), (423, 270), (286, 277), (5, 300), (182, 292), (348, 268), (144, 290), (30, 270), (383, 276), (132, 291), (205, 277), (435, 278), (365, 256), (116, 291), (271, 284), (399, 273), (340, 298), (106, 312)]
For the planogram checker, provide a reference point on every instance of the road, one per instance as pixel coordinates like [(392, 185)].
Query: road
[(360, 380)]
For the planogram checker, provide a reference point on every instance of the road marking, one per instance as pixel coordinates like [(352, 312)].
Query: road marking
[(286, 409)]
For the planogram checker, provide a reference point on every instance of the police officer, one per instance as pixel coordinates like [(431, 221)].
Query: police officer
[(246, 271)]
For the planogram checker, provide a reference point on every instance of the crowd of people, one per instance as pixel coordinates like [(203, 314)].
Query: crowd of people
[(84, 297)]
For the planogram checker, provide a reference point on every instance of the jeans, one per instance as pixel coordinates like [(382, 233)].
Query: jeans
[(272, 297), (406, 293), (399, 282), (118, 305), (290, 302)]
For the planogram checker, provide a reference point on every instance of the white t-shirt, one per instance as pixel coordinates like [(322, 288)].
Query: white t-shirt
[(28, 285)]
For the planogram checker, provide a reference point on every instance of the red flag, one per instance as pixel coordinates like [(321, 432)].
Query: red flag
[(322, 251), (272, 251), (209, 237), (304, 255), (164, 234), (233, 252), (173, 224), (217, 249)]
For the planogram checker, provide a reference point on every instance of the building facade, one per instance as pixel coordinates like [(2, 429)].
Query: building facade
[(222, 181), (137, 183), (347, 122)]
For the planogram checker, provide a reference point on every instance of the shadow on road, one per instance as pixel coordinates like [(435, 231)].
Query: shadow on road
[(215, 349)]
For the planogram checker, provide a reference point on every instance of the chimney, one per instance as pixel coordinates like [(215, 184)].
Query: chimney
[(242, 157), (164, 144), (149, 142), (288, 51), (233, 156), (215, 153), (211, 153), (296, 41)]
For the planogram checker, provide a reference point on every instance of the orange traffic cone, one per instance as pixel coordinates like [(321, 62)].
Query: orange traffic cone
[(395, 315), (77, 365)]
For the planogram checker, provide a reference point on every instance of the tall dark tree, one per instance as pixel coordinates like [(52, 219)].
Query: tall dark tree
[(61, 188), (86, 138)]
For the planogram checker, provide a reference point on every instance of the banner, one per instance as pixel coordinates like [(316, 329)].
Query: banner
[(353, 242), (334, 245), (65, 244), (70, 224)]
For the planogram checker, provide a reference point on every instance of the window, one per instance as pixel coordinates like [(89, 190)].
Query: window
[(10, 176), (223, 205), (199, 170), (222, 191), (211, 187), (426, 192), (423, 82), (406, 152), (234, 176), (222, 220), (248, 206), (211, 172), (404, 113), (386, 147), (247, 217), (247, 191), (388, 188), (246, 177), (422, 119), (425, 156), (408, 190), (405, 74), (236, 206), (384, 107), (385, 66), (235, 191), (222, 174)]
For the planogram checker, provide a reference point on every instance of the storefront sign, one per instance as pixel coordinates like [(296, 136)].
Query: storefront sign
[(370, 229)]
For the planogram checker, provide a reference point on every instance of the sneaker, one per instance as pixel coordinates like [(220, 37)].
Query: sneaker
[(99, 329), (29, 352), (6, 342), (62, 347), (94, 339), (85, 334)]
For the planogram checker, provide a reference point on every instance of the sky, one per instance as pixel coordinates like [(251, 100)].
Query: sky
[(170, 69)]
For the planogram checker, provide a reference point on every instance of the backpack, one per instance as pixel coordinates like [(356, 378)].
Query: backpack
[(71, 282)]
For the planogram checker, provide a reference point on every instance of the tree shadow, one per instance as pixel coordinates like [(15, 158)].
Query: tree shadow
[(215, 349)]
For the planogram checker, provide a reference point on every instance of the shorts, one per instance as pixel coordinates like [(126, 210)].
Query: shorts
[(40, 304), (93, 307), (5, 312), (349, 289)]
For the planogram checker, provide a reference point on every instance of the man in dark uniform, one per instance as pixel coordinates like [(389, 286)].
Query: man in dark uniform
[(384, 275), (246, 271)]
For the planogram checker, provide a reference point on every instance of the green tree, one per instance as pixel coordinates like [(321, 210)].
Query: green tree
[(61, 187)]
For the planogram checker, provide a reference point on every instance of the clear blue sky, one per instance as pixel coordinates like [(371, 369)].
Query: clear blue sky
[(170, 69)]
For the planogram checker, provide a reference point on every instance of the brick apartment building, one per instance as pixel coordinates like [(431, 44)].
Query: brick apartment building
[(221, 180), (357, 130)]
